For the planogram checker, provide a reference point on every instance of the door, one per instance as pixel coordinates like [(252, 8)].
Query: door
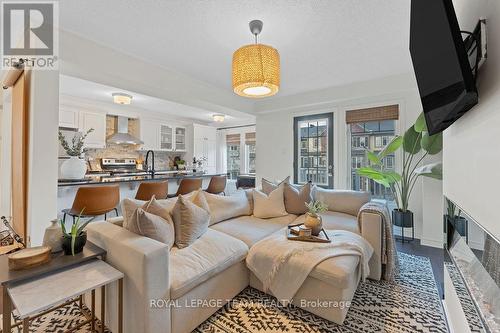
[(313, 149), (97, 121)]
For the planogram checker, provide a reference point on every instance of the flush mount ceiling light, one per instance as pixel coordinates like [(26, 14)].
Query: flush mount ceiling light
[(122, 98), (256, 68), (218, 118)]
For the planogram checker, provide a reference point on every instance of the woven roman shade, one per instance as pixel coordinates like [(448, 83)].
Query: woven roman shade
[(390, 112), (232, 139), (250, 138)]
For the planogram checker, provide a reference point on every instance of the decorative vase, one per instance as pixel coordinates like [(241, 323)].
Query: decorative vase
[(402, 219), (73, 168), (314, 223), (79, 244), (52, 236)]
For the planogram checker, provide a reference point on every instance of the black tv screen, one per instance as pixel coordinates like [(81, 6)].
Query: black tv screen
[(442, 68)]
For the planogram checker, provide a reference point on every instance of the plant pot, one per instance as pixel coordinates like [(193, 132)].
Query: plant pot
[(314, 223), (79, 244), (73, 168), (402, 219)]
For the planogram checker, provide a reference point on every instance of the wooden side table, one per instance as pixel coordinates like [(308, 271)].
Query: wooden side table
[(49, 292)]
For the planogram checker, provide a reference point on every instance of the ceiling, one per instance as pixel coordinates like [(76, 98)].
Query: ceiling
[(322, 43), (95, 92)]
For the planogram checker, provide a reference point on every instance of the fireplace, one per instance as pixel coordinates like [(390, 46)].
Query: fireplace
[(473, 264)]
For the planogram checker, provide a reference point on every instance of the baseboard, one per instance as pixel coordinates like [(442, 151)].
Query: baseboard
[(432, 242)]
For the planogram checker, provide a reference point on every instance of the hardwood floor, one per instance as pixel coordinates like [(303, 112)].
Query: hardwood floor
[(435, 255)]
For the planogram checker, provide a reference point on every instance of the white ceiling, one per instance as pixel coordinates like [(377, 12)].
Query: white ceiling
[(322, 43), (95, 92)]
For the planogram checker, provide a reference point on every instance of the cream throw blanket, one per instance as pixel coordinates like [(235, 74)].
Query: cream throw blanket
[(283, 265)]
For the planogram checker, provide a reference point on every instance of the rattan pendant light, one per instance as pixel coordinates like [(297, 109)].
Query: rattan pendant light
[(256, 68)]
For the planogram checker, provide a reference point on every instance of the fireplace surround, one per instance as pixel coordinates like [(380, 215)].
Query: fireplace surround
[(473, 256)]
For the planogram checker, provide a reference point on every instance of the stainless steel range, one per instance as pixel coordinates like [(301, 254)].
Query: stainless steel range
[(121, 167)]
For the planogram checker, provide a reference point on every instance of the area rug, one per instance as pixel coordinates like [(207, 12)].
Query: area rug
[(410, 304)]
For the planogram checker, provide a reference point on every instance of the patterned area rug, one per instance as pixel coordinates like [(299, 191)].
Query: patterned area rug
[(409, 304), (61, 320)]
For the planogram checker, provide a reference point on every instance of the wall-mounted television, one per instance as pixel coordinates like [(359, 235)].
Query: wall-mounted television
[(441, 62)]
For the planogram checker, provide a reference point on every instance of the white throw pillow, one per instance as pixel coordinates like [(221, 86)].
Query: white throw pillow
[(226, 207), (267, 206)]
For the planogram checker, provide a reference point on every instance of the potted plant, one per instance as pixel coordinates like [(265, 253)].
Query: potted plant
[(181, 165), (416, 144), (74, 241), (313, 219), (74, 167)]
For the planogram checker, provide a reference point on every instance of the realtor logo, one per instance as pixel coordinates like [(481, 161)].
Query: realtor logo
[(29, 33)]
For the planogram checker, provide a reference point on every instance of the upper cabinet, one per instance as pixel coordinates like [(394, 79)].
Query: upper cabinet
[(205, 146), (68, 118), (180, 139), (149, 134), (97, 121), (166, 138)]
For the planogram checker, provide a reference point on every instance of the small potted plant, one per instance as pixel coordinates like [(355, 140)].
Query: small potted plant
[(74, 241), (74, 167), (313, 219), (181, 165)]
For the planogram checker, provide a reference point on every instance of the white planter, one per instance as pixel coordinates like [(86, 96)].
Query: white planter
[(74, 168)]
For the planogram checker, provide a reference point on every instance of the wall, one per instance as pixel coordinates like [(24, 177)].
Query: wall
[(275, 134), (471, 155)]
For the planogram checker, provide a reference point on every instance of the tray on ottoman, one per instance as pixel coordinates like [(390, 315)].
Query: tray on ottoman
[(292, 233)]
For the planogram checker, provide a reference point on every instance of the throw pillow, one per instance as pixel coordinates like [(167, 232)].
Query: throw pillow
[(296, 199), (225, 207), (152, 226), (268, 186), (191, 219), (267, 206)]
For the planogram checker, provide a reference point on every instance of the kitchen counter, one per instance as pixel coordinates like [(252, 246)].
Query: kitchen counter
[(99, 179)]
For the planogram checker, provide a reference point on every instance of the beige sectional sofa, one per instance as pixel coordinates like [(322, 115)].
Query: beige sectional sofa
[(176, 290)]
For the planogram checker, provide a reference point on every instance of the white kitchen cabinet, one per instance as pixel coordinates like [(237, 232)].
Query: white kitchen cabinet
[(180, 139), (97, 121), (205, 145), (68, 118), (149, 134), (166, 136)]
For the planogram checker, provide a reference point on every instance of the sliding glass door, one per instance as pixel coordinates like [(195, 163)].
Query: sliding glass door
[(313, 149)]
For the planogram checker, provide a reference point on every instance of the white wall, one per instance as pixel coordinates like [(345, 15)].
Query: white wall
[(471, 156), (275, 135)]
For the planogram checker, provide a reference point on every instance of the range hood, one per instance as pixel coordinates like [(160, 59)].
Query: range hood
[(122, 137)]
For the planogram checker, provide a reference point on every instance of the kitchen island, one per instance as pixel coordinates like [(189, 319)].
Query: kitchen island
[(128, 184)]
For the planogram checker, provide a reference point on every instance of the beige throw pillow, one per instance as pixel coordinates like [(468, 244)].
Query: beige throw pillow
[(152, 226), (267, 206), (191, 219), (268, 186), (225, 207), (296, 198)]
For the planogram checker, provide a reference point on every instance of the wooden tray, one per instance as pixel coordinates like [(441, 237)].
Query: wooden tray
[(292, 234), (29, 257)]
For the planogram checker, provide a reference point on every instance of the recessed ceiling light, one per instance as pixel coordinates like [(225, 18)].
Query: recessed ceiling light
[(122, 98), (218, 118)]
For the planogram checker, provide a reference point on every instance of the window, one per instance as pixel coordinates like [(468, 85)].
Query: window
[(233, 155), (250, 152), (370, 129), (314, 149)]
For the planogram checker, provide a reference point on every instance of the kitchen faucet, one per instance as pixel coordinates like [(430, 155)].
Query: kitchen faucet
[(150, 168)]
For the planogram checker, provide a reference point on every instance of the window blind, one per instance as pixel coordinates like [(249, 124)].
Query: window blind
[(389, 112), (233, 139), (250, 138)]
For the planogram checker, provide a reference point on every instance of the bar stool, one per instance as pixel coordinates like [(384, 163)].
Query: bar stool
[(94, 201), (217, 185), (146, 190), (186, 186)]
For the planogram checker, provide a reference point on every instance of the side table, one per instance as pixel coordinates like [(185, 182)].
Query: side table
[(49, 292)]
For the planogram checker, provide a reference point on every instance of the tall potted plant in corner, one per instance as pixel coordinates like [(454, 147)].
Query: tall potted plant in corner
[(416, 144), (74, 167)]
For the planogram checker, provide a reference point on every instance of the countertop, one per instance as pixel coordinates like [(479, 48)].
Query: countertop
[(96, 179)]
